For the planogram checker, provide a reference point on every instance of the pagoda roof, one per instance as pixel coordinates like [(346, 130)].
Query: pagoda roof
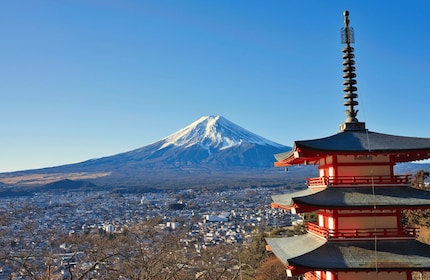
[(310, 251), (292, 247), (403, 148), (359, 197)]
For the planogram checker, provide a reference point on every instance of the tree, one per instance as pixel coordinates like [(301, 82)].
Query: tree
[(271, 269), (150, 254), (30, 250), (218, 262), (418, 217), (24, 250), (253, 255), (418, 181)]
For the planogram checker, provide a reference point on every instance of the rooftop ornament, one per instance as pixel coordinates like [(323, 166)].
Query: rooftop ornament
[(347, 36)]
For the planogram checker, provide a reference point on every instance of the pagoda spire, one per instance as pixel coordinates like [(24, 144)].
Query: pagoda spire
[(347, 35)]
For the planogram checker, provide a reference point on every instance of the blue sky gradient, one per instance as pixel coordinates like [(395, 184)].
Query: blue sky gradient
[(84, 79)]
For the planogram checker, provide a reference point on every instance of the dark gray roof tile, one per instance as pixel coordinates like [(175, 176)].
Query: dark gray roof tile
[(311, 251), (402, 196), (365, 141)]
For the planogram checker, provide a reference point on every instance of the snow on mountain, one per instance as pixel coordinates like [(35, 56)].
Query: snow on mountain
[(210, 142), (204, 151), (215, 132)]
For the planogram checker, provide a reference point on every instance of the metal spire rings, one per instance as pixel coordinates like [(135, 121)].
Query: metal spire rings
[(349, 69), (347, 35)]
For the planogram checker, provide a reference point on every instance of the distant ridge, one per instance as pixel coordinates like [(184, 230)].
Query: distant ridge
[(211, 150)]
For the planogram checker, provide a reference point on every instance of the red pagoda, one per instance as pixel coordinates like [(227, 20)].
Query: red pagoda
[(358, 199)]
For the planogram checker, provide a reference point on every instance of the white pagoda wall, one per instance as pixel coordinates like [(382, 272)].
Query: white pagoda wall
[(362, 159), (360, 219), (382, 275), (367, 222), (363, 166), (353, 275), (364, 170)]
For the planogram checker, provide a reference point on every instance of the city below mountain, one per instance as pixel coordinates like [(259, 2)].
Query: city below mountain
[(211, 151)]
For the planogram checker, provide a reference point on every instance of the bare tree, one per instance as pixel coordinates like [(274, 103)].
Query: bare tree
[(23, 248), (150, 254), (218, 262), (141, 252), (418, 181), (272, 269)]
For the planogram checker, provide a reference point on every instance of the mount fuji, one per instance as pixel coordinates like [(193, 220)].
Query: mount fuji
[(211, 150)]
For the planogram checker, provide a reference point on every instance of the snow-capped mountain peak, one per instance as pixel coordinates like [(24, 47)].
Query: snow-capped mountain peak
[(201, 152), (215, 132)]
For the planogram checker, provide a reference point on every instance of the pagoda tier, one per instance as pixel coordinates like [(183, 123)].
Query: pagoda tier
[(357, 143), (307, 253), (403, 197), (356, 212)]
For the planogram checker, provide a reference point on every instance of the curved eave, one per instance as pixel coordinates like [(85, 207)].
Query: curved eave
[(308, 253), (399, 148), (312, 156), (292, 247), (389, 197), (297, 156), (361, 255), (286, 201)]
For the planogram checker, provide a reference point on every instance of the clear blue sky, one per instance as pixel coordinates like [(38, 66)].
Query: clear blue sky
[(82, 79)]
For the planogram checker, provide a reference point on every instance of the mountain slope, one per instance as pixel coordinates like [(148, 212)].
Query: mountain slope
[(214, 132), (208, 150), (211, 140)]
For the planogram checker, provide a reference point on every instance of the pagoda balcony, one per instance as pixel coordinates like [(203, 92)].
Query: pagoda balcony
[(405, 232), (359, 180)]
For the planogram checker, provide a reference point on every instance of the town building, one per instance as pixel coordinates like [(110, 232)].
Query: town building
[(359, 200)]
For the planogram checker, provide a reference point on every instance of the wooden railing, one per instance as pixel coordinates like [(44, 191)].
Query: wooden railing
[(362, 233), (359, 180), (311, 276)]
